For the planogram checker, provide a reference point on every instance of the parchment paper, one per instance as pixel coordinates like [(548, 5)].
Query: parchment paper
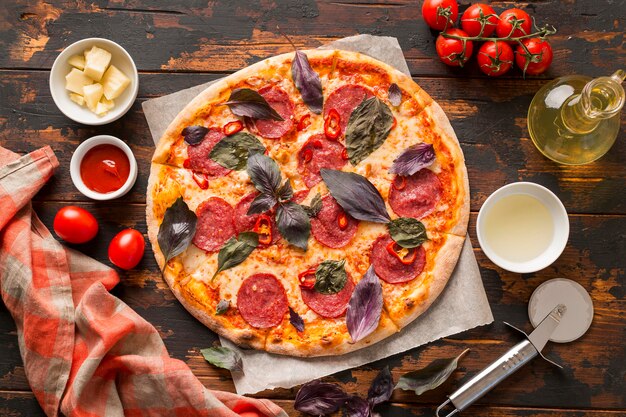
[(462, 305)]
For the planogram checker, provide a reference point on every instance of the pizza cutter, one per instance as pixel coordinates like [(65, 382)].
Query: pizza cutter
[(560, 310)]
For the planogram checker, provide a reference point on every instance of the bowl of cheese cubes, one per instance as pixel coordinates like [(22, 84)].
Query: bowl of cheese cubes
[(94, 81)]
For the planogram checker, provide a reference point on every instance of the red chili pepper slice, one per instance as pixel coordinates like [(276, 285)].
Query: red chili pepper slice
[(332, 126), (306, 279), (263, 227), (395, 122), (402, 184), (407, 259), (187, 163), (307, 155), (201, 179), (232, 127), (317, 144), (304, 122), (344, 154), (342, 220)]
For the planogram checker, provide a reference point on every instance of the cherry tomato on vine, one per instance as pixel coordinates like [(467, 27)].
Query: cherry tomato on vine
[(513, 23), (440, 14), (476, 16), (454, 52), (75, 225), (534, 57), (126, 248), (495, 58)]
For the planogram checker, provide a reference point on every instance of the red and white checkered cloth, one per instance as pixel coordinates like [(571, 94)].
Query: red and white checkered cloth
[(85, 352)]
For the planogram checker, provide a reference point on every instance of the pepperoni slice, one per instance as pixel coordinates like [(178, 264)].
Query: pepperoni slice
[(415, 196), (333, 227), (328, 305), (244, 223), (300, 196), (389, 268), (318, 152), (279, 100), (199, 155), (345, 99), (262, 301), (215, 224)]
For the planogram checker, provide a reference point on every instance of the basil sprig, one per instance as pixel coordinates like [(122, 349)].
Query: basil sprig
[(307, 81), (365, 306), (232, 151), (176, 230), (368, 127), (330, 277), (235, 251), (407, 232), (245, 102), (413, 159)]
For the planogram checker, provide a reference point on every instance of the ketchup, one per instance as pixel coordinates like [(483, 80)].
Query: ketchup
[(104, 168)]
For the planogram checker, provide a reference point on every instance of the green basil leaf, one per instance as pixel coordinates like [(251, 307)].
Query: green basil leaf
[(330, 276), (293, 224), (407, 232), (245, 102), (368, 127), (264, 173), (232, 152), (222, 307), (315, 207), (235, 251), (223, 357), (177, 229), (430, 377)]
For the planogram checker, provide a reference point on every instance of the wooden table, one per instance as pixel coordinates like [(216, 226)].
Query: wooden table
[(177, 46)]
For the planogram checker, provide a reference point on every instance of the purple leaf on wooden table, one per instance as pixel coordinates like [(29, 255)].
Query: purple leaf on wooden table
[(394, 94), (308, 82), (245, 102), (413, 159), (194, 134), (365, 306), (357, 407), (295, 320), (320, 398), (430, 377), (381, 388)]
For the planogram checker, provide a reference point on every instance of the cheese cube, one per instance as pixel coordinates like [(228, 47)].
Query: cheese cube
[(77, 61), (76, 80), (96, 63), (104, 106), (92, 94), (78, 99), (114, 82)]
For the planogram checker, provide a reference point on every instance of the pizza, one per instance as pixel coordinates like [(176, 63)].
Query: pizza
[(311, 204)]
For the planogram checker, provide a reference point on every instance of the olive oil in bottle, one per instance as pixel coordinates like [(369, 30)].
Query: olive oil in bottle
[(574, 119)]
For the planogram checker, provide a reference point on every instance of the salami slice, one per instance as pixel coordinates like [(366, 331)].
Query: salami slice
[(199, 155), (389, 268), (333, 227), (262, 301), (344, 100), (328, 305), (300, 196), (245, 222), (318, 152), (215, 224), (279, 100), (415, 196)]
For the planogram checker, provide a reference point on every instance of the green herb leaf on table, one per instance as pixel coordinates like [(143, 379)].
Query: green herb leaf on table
[(293, 224), (365, 306), (308, 82), (413, 159), (245, 102), (235, 251), (223, 357), (222, 307), (330, 276), (394, 94), (314, 208), (407, 232), (356, 195), (430, 377), (232, 152), (368, 127), (319, 398), (381, 388), (194, 134), (176, 230), (295, 320)]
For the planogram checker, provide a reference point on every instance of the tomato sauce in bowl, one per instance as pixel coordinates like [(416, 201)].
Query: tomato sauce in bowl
[(104, 168)]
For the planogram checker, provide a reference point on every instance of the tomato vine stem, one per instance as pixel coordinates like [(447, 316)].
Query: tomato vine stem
[(542, 33)]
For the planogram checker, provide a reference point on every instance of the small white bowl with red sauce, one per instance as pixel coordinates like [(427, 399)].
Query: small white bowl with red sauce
[(103, 168)]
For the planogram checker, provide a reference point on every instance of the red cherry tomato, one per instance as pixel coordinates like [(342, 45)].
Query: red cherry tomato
[(476, 16), (495, 58), (75, 225), (440, 14), (536, 58), (126, 249), (454, 52), (513, 23)]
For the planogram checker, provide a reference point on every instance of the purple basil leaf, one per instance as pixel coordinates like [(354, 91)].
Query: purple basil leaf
[(293, 224), (194, 134), (245, 102), (176, 230), (285, 192), (261, 204), (413, 159), (394, 94), (264, 173), (365, 306), (381, 388), (295, 320), (357, 407), (430, 377), (356, 195), (319, 398), (308, 82)]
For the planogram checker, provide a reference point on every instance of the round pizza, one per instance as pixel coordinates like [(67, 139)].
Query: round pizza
[(311, 204)]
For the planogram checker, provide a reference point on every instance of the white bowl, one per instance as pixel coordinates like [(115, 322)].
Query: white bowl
[(559, 219), (78, 156), (119, 57)]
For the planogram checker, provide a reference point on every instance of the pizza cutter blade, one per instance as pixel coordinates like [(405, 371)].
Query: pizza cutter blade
[(560, 310)]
